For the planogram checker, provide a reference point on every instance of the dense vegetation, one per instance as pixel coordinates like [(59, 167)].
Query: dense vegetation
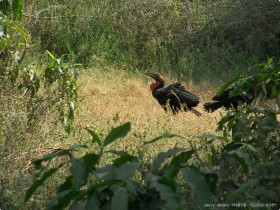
[(198, 39), (236, 165)]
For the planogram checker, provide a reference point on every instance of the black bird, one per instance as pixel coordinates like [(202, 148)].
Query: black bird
[(174, 96), (230, 102)]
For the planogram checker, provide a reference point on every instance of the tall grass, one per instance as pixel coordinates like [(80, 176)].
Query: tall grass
[(197, 39)]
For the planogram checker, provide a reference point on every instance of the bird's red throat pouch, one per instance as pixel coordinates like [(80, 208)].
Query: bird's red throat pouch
[(153, 86)]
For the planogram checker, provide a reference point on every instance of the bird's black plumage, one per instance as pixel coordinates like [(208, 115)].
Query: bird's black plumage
[(174, 96), (228, 101)]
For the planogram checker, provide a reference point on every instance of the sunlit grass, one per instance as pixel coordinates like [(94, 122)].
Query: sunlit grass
[(112, 98)]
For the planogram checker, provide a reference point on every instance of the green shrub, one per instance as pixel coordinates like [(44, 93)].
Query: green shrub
[(30, 95)]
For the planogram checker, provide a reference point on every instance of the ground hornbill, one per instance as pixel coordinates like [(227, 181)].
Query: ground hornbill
[(174, 96), (230, 102)]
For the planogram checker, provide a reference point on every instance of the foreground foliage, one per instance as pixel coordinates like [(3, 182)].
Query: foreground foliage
[(242, 171), (43, 87)]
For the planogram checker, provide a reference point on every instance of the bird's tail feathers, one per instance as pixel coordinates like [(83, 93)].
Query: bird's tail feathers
[(212, 106)]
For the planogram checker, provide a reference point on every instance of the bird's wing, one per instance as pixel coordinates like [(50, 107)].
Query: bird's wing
[(162, 94), (225, 97), (176, 94), (179, 93)]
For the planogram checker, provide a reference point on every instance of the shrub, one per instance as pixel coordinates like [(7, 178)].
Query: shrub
[(30, 94)]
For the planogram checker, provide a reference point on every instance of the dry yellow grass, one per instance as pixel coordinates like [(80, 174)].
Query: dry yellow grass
[(114, 97)]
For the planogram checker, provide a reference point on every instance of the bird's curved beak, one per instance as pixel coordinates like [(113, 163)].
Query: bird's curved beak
[(153, 75)]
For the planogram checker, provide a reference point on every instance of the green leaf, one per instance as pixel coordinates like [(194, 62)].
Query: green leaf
[(51, 55), (170, 171), (77, 206), (225, 86), (17, 9), (67, 185), (233, 196), (81, 167), (120, 199), (92, 202), (49, 156), (182, 158), (243, 158), (102, 184), (125, 171), (132, 187), (62, 200), (167, 195), (163, 156), (94, 136), (76, 147), (211, 178), (252, 149), (90, 160), (171, 183), (78, 170), (210, 136), (123, 159), (198, 183), (166, 135), (232, 146), (39, 182), (117, 133)]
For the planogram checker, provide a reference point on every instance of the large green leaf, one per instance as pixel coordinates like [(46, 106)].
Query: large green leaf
[(56, 153), (225, 86), (163, 156), (29, 192), (62, 200), (243, 158), (120, 199), (167, 195), (125, 171), (249, 147), (67, 185), (94, 136), (165, 135), (123, 159), (17, 9), (92, 202), (77, 206), (49, 156), (182, 158), (75, 147), (80, 168), (200, 188), (171, 183), (233, 196), (110, 182), (117, 133)]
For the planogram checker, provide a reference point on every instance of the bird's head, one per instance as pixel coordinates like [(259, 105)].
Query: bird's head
[(159, 80)]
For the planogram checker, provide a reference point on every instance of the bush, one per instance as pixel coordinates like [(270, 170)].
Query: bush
[(30, 94)]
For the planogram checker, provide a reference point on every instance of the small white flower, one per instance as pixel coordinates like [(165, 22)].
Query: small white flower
[(17, 56)]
